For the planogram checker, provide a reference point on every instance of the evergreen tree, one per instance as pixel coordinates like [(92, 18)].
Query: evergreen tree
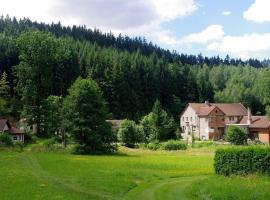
[(86, 112), (158, 125), (4, 86)]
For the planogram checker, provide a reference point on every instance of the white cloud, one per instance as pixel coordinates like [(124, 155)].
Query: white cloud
[(210, 33), (245, 46), (37, 10), (226, 13), (132, 17), (258, 12), (213, 39), (171, 9)]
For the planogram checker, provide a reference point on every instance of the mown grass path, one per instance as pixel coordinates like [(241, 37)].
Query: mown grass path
[(173, 188), (36, 169)]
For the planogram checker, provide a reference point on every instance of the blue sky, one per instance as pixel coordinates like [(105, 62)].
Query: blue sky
[(240, 28)]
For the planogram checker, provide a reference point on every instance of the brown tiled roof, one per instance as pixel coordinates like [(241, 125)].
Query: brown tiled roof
[(11, 130), (230, 109), (15, 131), (257, 121), (205, 110)]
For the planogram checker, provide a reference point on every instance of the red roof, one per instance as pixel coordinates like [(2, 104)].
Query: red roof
[(257, 121), (11, 130), (15, 131), (205, 110), (229, 109)]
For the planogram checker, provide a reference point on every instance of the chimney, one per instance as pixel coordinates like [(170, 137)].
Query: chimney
[(207, 103), (249, 117)]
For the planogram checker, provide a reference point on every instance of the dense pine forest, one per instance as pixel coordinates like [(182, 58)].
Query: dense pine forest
[(38, 60)]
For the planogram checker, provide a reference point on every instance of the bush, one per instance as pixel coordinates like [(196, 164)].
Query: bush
[(236, 135), (242, 160), (5, 139), (155, 145), (158, 125), (84, 149), (173, 145), (129, 134)]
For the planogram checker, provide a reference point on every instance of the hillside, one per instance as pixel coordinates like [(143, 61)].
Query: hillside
[(132, 73)]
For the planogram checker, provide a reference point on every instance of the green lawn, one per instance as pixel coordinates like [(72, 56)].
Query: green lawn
[(131, 174)]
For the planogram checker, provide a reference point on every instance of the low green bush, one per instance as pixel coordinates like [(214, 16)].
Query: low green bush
[(129, 134), (155, 145), (49, 142), (242, 160), (173, 145), (236, 135), (5, 139)]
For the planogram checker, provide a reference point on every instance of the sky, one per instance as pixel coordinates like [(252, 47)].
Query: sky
[(239, 28)]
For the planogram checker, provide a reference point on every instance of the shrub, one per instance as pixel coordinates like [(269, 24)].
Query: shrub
[(128, 133), (84, 149), (5, 139), (158, 125), (155, 145), (242, 160), (236, 135), (172, 145), (49, 143)]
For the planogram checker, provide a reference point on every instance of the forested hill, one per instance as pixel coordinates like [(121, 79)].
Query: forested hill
[(15, 27), (38, 60)]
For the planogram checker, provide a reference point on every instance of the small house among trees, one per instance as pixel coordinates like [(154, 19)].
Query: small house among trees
[(16, 134)]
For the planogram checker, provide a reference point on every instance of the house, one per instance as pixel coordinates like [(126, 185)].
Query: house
[(209, 120), (115, 124), (6, 128), (257, 127)]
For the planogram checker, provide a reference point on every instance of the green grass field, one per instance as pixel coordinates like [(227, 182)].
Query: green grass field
[(130, 174)]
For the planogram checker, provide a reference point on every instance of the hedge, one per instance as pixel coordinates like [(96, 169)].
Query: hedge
[(242, 160), (173, 145)]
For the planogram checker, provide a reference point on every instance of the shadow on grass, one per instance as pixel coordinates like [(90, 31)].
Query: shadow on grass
[(112, 154)]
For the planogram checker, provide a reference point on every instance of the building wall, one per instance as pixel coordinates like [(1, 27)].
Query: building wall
[(216, 124), (6, 128), (20, 138), (204, 128), (264, 137), (189, 119)]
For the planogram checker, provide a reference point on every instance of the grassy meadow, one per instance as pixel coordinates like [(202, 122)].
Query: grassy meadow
[(129, 174)]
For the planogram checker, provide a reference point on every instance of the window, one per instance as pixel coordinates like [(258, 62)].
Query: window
[(187, 119), (14, 137), (183, 118), (191, 119), (231, 118)]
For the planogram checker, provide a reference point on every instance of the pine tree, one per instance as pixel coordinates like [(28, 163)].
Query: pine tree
[(4, 86)]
